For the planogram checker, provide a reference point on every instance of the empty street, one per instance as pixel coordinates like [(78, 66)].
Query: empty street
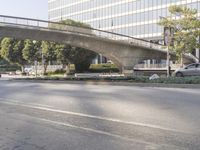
[(62, 116)]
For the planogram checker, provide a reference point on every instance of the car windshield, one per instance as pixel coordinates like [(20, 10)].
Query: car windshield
[(191, 66)]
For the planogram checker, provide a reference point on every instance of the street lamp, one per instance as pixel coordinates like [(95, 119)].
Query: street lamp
[(36, 64), (36, 61), (42, 62), (168, 41)]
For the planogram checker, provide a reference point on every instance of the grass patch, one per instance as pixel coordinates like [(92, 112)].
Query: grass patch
[(56, 75)]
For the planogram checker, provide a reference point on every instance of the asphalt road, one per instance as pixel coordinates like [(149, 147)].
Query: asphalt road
[(55, 116)]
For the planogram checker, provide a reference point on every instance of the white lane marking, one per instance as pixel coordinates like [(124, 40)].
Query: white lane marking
[(147, 144), (32, 104), (92, 130), (88, 116)]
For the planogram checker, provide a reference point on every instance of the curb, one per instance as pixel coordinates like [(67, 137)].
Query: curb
[(113, 83)]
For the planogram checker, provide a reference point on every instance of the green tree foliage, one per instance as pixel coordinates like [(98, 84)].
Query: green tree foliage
[(48, 52), (62, 52), (186, 29), (11, 50), (1, 58), (31, 51), (63, 24), (75, 23), (81, 58), (26, 52)]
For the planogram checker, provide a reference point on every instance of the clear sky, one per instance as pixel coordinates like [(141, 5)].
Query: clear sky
[(37, 9)]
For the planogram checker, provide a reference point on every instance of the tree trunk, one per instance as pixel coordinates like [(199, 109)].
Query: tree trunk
[(64, 66), (181, 59), (68, 69), (22, 69), (45, 69)]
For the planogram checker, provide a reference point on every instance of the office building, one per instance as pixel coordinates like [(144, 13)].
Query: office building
[(137, 18)]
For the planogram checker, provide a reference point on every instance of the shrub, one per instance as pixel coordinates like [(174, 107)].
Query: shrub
[(58, 71), (175, 80), (9, 68), (103, 68)]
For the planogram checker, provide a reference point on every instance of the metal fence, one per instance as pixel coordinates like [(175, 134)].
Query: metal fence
[(155, 66)]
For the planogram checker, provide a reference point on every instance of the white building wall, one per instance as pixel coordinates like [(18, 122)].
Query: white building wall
[(137, 18)]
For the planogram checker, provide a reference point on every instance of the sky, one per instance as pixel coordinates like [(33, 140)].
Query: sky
[(37, 9)]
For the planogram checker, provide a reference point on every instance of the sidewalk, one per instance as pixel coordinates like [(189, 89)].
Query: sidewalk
[(6, 77)]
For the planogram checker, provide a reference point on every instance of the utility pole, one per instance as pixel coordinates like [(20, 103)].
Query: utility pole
[(168, 41), (36, 63)]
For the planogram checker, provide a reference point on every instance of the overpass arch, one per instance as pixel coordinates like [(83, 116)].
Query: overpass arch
[(123, 50)]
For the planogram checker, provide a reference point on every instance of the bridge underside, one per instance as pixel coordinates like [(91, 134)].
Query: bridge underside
[(124, 55)]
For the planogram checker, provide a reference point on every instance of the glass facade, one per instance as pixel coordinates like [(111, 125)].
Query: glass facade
[(137, 18)]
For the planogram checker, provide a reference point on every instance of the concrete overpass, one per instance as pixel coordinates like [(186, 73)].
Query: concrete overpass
[(123, 50)]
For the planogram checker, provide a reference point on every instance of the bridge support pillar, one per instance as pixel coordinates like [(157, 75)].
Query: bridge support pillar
[(198, 54)]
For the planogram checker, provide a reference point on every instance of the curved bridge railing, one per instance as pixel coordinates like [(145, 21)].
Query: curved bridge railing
[(35, 23), (87, 31)]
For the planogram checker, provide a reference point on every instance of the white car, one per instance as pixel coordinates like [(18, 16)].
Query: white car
[(189, 70), (27, 70)]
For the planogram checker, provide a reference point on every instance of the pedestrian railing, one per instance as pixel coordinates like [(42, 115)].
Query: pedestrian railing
[(86, 31), (36, 23), (155, 66)]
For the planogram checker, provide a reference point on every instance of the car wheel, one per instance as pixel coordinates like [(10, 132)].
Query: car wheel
[(179, 74)]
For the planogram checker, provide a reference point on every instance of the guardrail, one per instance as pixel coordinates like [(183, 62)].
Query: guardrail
[(36, 23), (155, 66)]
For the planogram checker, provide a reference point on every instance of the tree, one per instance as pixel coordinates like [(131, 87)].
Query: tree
[(48, 52), (62, 52), (1, 58), (186, 27), (31, 51), (79, 56), (71, 23), (11, 50)]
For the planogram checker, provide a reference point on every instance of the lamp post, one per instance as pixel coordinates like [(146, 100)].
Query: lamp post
[(168, 41), (198, 50), (36, 63), (42, 63)]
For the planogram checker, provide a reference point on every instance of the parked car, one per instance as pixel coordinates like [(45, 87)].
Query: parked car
[(189, 70)]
